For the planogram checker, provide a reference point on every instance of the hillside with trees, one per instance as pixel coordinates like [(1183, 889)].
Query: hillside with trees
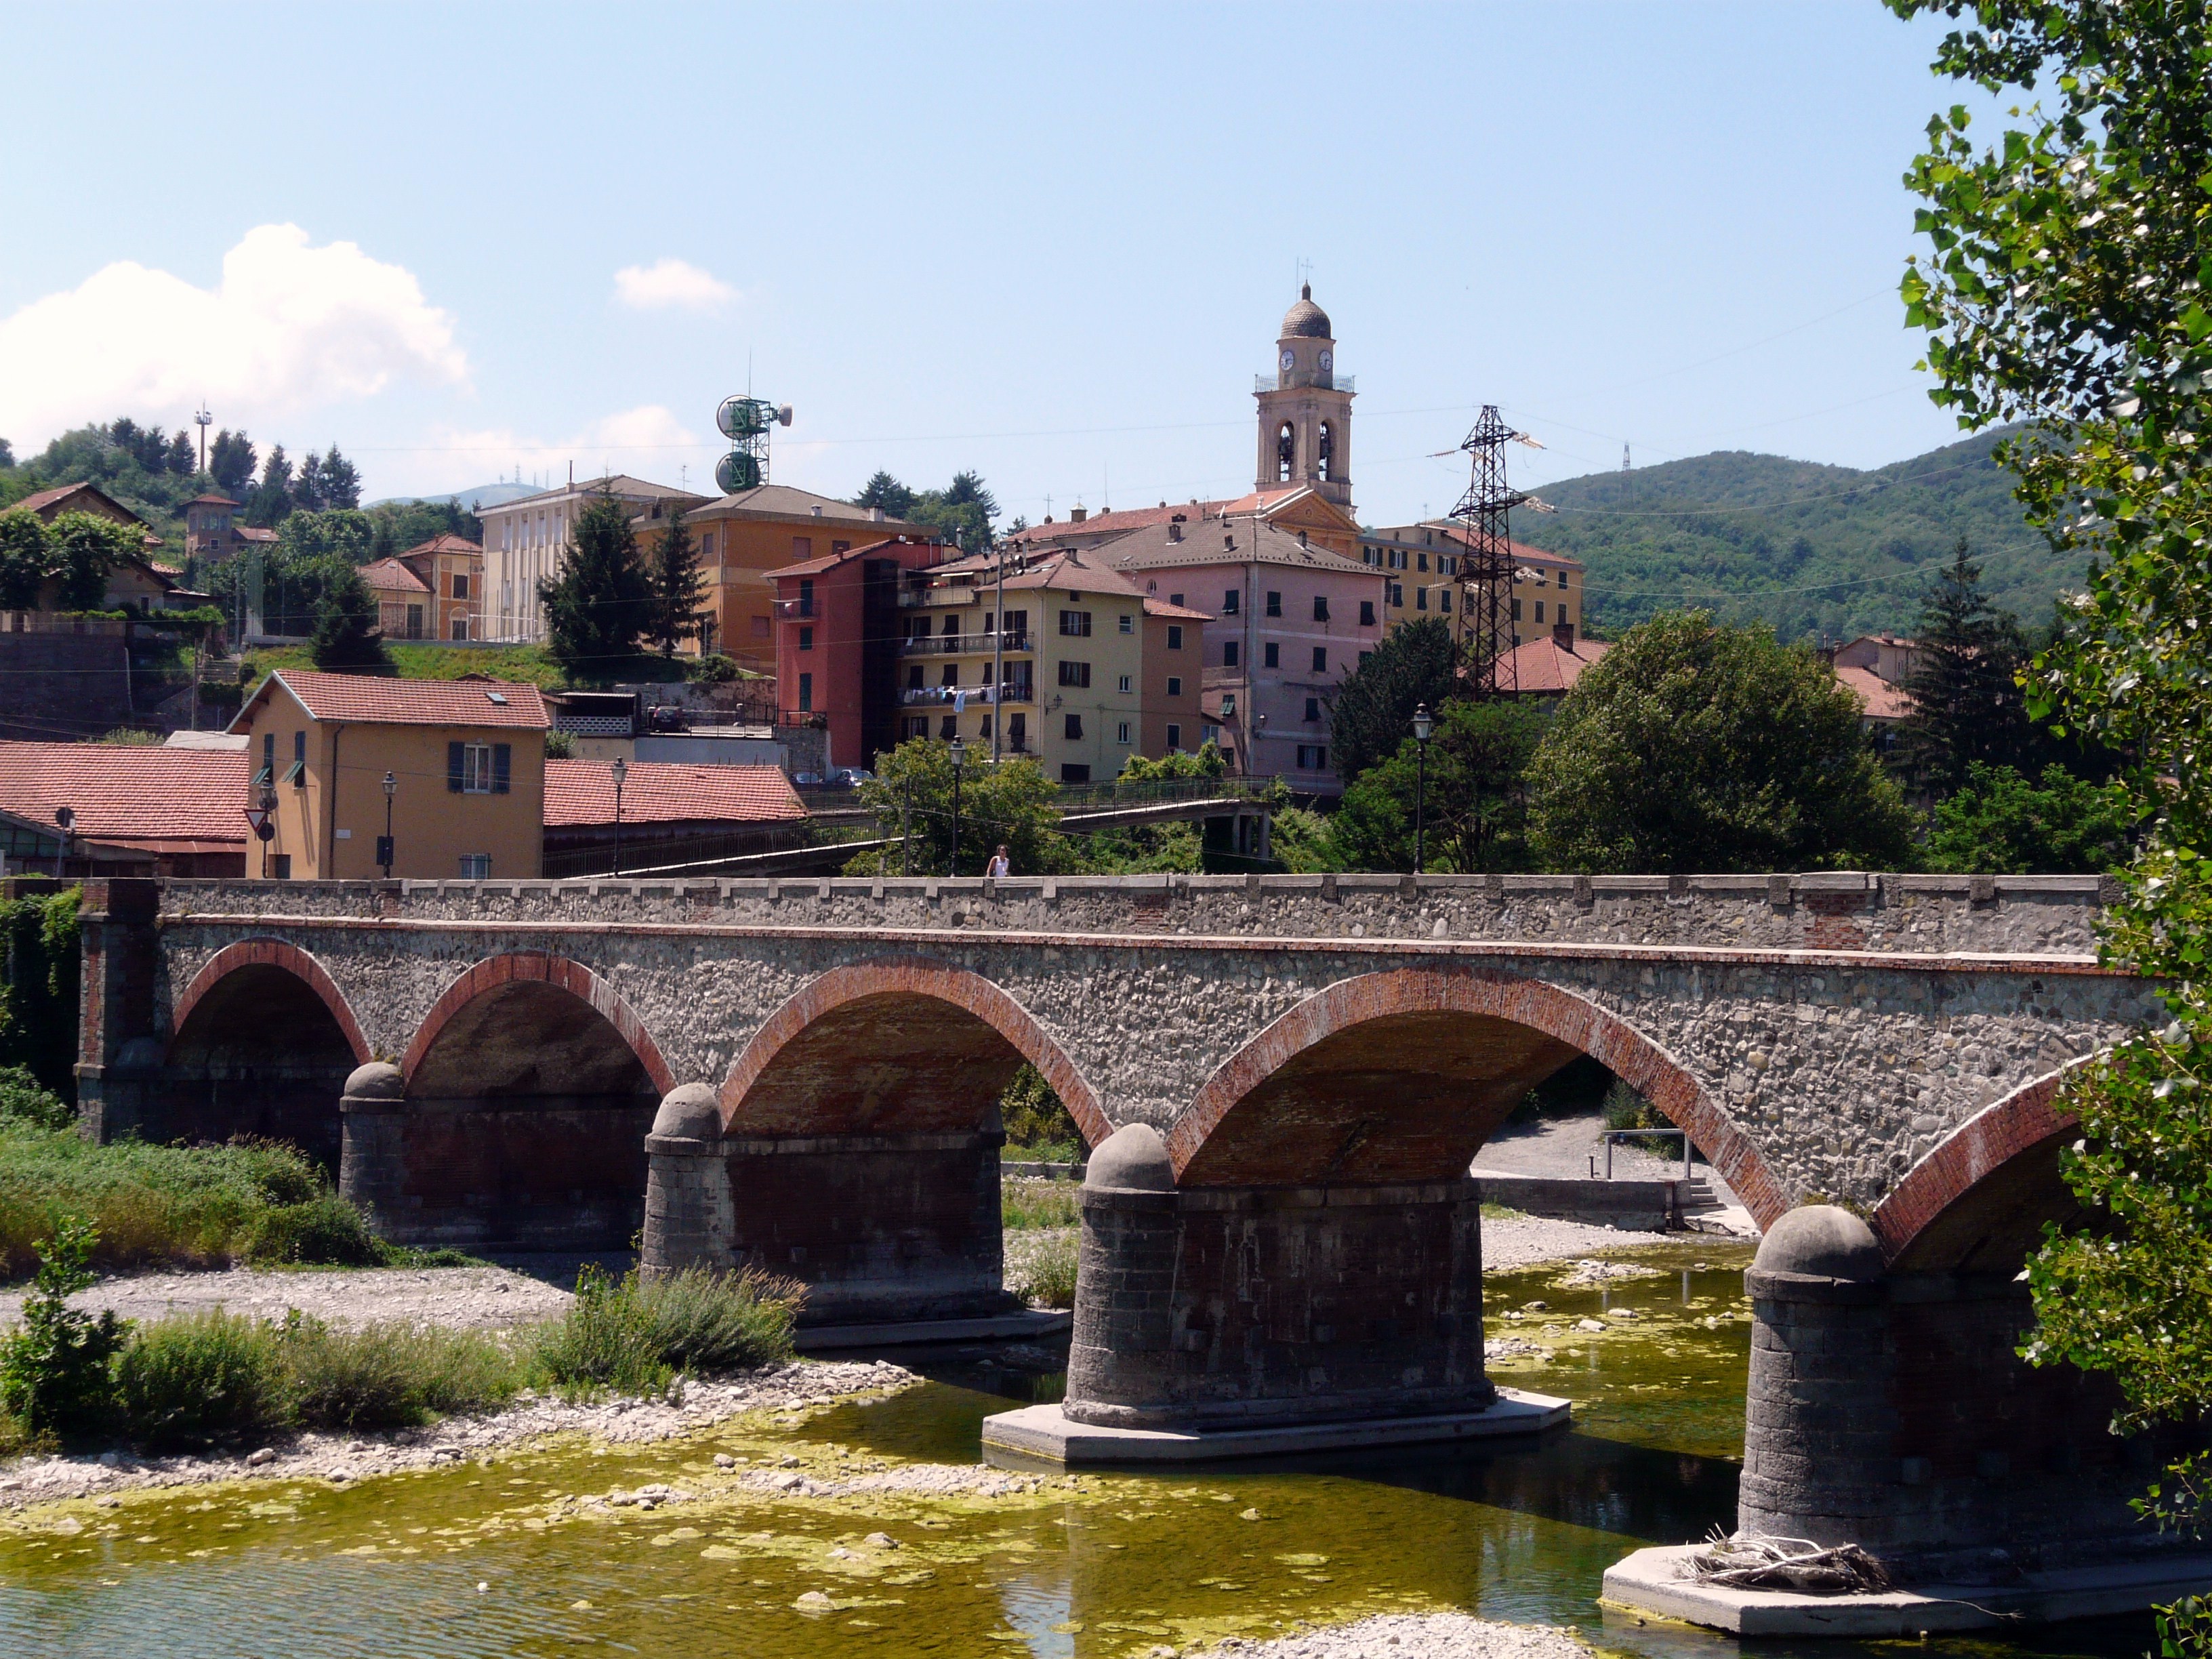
[(1817, 551)]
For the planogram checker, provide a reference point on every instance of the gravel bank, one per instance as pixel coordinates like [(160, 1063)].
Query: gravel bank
[(480, 1298), (341, 1458), (1414, 1636)]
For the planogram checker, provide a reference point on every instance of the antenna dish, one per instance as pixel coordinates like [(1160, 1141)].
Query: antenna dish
[(746, 421)]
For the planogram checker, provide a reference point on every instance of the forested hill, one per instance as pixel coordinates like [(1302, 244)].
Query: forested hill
[(1820, 550)]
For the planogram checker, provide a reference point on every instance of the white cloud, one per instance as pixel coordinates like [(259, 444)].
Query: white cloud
[(289, 328), (671, 285), (648, 441)]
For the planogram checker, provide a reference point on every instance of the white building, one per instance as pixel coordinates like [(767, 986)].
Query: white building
[(526, 540)]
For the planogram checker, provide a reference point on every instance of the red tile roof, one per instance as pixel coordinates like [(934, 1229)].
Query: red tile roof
[(246, 532), (1542, 668), (831, 560), (129, 792), (445, 542), (582, 792), (390, 576), (1879, 699), (1182, 612), (212, 500), (41, 501), (371, 700)]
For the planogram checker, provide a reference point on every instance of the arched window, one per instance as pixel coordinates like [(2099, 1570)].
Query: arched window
[(1324, 452), (1286, 452)]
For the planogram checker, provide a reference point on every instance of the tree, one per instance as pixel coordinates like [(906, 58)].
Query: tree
[(85, 547), (230, 460), (2066, 290), (348, 638), (272, 498), (26, 558), (885, 492), (1010, 802), (1967, 708), (183, 458), (341, 483), (307, 493), (1372, 711), (7, 454), (1473, 801), (2000, 823), (600, 603), (962, 512), (674, 577), (1692, 746)]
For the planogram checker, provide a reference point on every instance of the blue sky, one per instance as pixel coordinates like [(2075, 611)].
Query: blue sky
[(1052, 243)]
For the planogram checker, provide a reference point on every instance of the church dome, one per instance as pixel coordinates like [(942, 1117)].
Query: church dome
[(1306, 320)]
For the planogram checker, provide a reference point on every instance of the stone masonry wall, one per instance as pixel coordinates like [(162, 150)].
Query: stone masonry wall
[(1843, 1029)]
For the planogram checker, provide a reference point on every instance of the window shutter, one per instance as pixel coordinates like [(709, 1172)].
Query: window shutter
[(454, 762), (502, 765)]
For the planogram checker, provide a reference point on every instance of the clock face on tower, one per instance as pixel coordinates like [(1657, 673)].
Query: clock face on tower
[(1327, 360), (1288, 357)]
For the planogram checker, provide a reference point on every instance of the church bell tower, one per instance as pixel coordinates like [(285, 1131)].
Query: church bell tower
[(1305, 415)]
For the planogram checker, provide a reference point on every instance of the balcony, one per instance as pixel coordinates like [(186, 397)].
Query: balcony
[(978, 696), (963, 645), (786, 610), (1288, 382), (940, 593)]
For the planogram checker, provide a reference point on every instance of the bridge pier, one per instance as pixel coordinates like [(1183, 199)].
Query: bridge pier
[(1893, 1410), (1212, 1321), (880, 1228)]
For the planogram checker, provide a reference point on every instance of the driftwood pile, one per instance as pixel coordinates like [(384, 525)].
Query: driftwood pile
[(1757, 1561)]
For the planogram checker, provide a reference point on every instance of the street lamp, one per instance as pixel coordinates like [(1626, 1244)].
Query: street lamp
[(384, 843), (66, 818), (621, 771), (1422, 727), (959, 759)]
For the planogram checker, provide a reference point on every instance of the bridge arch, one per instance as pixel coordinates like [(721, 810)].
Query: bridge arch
[(529, 1089), (1369, 1079), (260, 1043), (1978, 1201), (825, 1060)]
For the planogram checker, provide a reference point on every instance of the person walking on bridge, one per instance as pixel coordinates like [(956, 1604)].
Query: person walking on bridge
[(999, 867)]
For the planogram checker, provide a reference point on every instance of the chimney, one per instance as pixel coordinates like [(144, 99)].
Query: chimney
[(1229, 541), (1174, 529), (1302, 539), (875, 515), (1563, 635), (817, 510), (1076, 515)]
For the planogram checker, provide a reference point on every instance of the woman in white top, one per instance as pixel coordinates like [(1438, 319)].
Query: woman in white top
[(999, 868)]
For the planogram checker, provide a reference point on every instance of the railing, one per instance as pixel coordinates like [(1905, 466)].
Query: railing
[(1009, 691), (1318, 382), (1145, 792), (788, 609), (941, 593), (963, 645)]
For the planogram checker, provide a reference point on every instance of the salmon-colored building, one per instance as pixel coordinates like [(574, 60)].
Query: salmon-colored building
[(839, 631)]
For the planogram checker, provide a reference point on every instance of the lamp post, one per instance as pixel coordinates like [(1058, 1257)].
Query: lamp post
[(1422, 727), (384, 847), (621, 771), (66, 818), (959, 758), (265, 827)]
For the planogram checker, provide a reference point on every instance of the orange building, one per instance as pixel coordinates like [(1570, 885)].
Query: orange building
[(452, 569), (744, 539)]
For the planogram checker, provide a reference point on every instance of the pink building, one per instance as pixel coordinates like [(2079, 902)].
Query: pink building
[(838, 629), (1287, 621)]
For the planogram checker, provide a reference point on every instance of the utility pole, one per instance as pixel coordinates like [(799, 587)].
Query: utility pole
[(1486, 571), (998, 655), (906, 827), (202, 419)]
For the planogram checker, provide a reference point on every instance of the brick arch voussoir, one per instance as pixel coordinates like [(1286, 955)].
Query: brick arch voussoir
[(918, 976), (1649, 1068), (545, 968), (2029, 1118), (272, 953)]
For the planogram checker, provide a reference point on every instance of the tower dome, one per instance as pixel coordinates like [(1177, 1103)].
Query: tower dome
[(1305, 319)]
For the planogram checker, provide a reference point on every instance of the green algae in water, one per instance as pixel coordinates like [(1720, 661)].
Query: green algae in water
[(1112, 1565)]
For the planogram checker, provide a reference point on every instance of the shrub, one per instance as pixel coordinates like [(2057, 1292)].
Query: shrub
[(1036, 1120), (393, 1375), (23, 1100), (632, 1335), (58, 1367), (1027, 1204), (325, 1229), (1047, 1279), (197, 1379)]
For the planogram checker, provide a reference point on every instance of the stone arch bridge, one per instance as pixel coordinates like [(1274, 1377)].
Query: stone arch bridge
[(1296, 1073)]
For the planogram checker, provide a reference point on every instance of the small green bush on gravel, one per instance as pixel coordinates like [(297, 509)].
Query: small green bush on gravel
[(392, 1376), (1026, 1201), (1047, 1279), (195, 1378), (632, 1335), (58, 1367)]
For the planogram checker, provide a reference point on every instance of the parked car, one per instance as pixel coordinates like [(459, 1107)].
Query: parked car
[(807, 780), (850, 777)]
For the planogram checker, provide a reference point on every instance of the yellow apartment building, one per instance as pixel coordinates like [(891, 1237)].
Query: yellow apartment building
[(466, 764), (1068, 634), (1424, 565)]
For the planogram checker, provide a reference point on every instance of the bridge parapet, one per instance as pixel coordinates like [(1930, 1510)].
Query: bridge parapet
[(1900, 915)]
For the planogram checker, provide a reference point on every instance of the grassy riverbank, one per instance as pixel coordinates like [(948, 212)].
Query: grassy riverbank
[(1041, 1218)]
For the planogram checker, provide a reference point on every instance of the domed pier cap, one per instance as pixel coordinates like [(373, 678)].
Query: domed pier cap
[(378, 1080), (689, 1112), (1820, 1240), (1133, 1159)]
